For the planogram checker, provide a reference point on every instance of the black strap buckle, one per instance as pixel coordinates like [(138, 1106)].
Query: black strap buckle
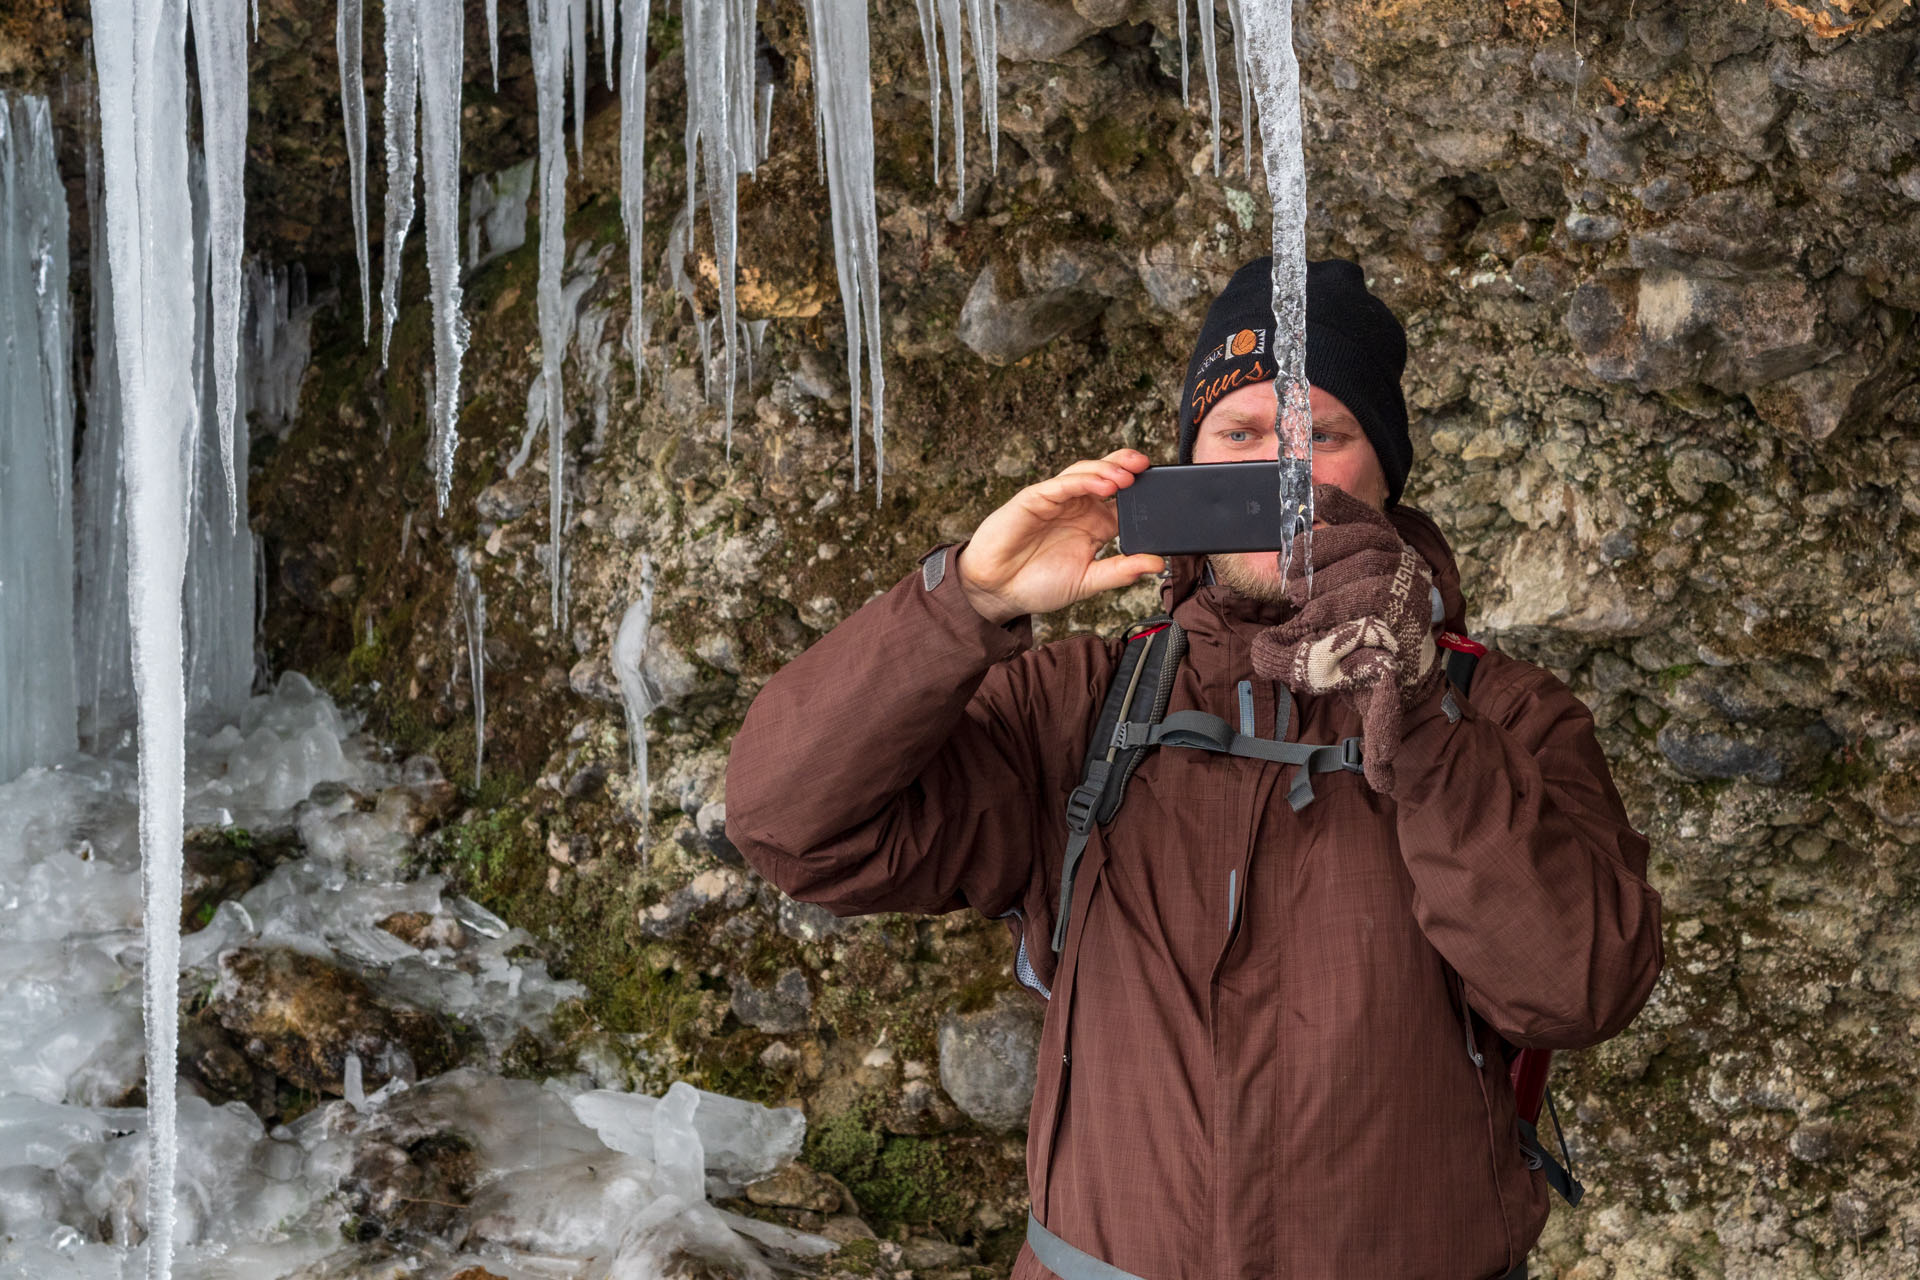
[(1082, 804)]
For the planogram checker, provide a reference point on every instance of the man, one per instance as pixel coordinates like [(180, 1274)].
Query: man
[(1272, 1044)]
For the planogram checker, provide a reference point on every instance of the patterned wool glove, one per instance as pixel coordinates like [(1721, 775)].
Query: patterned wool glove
[(1367, 630)]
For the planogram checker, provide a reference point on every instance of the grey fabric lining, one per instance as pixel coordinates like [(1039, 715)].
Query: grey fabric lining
[(934, 568), (1246, 708), (1233, 899), (1067, 1262)]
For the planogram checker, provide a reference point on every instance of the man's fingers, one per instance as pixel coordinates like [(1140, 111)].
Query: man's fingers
[(1122, 571)]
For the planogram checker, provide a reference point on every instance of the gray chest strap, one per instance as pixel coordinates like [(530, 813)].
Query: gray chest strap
[(1204, 732)]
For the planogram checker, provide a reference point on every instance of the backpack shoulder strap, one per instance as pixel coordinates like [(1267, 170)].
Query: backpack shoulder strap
[(1142, 682)]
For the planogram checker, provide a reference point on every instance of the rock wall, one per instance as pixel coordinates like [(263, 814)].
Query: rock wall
[(1658, 262)]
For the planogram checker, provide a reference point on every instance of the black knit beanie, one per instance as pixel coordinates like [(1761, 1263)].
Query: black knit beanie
[(1356, 351)]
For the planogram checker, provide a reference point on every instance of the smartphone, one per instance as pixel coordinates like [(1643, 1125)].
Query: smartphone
[(1203, 507)]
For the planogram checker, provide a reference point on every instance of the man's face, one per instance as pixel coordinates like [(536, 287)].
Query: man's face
[(1240, 429)]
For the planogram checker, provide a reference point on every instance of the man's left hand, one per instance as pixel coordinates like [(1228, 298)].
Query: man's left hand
[(1367, 629)]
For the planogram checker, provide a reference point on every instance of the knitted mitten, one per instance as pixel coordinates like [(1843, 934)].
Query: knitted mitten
[(1367, 630)]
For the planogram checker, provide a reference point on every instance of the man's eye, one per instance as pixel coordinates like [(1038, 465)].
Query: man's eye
[(1239, 437)]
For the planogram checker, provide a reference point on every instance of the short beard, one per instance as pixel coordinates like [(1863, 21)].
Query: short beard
[(1231, 571)]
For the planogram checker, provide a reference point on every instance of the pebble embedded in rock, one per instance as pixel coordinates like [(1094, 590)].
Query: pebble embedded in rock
[(783, 1006)]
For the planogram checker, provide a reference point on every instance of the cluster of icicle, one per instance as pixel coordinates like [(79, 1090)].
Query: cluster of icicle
[(139, 54)]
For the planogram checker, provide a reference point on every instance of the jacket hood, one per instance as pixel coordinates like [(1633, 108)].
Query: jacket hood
[(1188, 577)]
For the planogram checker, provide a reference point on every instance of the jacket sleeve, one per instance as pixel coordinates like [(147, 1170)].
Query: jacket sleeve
[(1527, 876), (891, 767)]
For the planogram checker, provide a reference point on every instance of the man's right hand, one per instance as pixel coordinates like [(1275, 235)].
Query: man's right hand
[(1037, 553)]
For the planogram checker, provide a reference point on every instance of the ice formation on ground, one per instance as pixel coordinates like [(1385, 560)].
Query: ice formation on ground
[(497, 213), (36, 445), (564, 1172)]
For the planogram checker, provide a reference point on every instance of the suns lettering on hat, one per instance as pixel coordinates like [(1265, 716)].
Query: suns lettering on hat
[(1206, 393)]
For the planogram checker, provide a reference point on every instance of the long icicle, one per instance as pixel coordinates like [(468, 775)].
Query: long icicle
[(348, 34), (1209, 54), (547, 23), (576, 11), (844, 87), (711, 106), (402, 101), (140, 56), (442, 42), (1237, 14), (1276, 77), (220, 49), (493, 41), (930, 41), (633, 167)]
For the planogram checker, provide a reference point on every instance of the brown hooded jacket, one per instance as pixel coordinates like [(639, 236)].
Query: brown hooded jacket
[(1255, 1061)]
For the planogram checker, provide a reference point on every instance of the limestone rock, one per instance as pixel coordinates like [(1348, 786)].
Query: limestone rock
[(1547, 589), (987, 1061), (301, 1017), (1039, 30), (783, 1006), (1001, 328)]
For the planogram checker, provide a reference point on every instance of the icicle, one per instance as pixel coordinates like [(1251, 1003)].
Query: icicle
[(472, 601), (1210, 56), (1276, 75), (1237, 14), (1181, 5), (36, 446), (442, 40), (353, 1084), (347, 34), (493, 41), (716, 95), (102, 644), (402, 100), (140, 55), (633, 169), (220, 48), (986, 64), (842, 86), (636, 691), (547, 23), (956, 84), (930, 41), (608, 17), (217, 598), (576, 11)]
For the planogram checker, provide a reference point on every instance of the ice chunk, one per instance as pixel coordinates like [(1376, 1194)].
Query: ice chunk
[(742, 1141), (497, 213)]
